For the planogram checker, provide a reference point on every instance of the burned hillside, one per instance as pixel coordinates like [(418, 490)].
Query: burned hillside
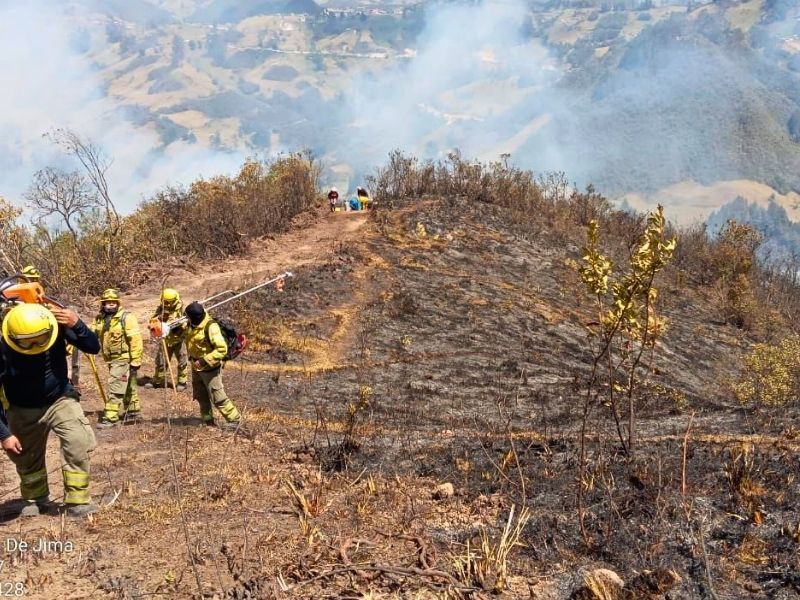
[(421, 420), (452, 345)]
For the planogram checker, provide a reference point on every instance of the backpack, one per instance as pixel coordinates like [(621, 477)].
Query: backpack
[(237, 342)]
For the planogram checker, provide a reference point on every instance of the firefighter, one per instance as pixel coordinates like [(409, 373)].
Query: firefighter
[(363, 198), (170, 309), (31, 273), (39, 398), (333, 198), (207, 348), (121, 341)]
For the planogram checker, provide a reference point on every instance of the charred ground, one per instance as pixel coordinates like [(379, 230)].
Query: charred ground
[(445, 343)]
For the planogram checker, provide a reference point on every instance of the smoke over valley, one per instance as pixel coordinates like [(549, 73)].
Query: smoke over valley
[(635, 98)]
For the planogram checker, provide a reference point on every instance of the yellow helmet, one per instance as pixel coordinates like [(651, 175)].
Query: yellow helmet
[(30, 329), (31, 273), (170, 297), (110, 295)]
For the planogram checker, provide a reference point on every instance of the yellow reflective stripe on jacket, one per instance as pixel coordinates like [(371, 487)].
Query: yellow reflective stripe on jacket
[(199, 347), (134, 337)]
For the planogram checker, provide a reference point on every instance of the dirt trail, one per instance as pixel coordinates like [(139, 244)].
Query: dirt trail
[(312, 239), (133, 460)]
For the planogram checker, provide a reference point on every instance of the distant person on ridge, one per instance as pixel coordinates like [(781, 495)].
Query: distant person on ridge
[(363, 198), (333, 198)]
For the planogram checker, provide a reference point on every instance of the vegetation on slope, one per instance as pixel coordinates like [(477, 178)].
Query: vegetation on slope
[(89, 247)]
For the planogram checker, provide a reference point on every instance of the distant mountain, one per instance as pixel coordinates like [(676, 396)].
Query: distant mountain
[(691, 97), (629, 95)]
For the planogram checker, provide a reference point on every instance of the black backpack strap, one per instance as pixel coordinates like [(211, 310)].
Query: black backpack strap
[(206, 333)]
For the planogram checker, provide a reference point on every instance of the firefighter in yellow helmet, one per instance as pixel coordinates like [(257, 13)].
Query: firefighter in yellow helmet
[(31, 273), (121, 341), (170, 309), (207, 348), (363, 198), (39, 398)]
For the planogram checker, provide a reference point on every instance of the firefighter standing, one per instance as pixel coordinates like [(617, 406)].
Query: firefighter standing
[(363, 198), (170, 309), (31, 273), (41, 399), (121, 341), (207, 348), (333, 198)]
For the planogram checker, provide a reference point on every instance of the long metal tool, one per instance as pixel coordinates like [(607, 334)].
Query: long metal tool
[(158, 330), (210, 298), (252, 289), (239, 295)]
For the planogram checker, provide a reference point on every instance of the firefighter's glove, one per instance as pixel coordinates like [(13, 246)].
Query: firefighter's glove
[(200, 364)]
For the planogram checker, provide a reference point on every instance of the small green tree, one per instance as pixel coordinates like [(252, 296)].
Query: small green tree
[(627, 319), (733, 259), (627, 325)]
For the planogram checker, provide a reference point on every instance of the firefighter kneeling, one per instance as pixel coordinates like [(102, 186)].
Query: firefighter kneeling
[(207, 349), (41, 399)]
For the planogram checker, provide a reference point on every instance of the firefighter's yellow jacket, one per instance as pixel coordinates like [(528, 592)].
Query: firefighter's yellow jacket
[(207, 342), (120, 337)]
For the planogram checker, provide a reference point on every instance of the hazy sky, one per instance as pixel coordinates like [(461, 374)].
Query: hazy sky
[(55, 87), (475, 83)]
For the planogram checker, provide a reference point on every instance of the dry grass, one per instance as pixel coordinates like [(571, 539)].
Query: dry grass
[(487, 566)]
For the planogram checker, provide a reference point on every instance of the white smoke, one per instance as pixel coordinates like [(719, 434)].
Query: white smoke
[(472, 70), (48, 85), (672, 111), (473, 81)]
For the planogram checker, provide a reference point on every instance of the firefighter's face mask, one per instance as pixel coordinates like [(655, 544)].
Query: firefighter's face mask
[(110, 308)]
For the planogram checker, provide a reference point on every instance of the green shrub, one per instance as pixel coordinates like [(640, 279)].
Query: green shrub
[(771, 374)]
